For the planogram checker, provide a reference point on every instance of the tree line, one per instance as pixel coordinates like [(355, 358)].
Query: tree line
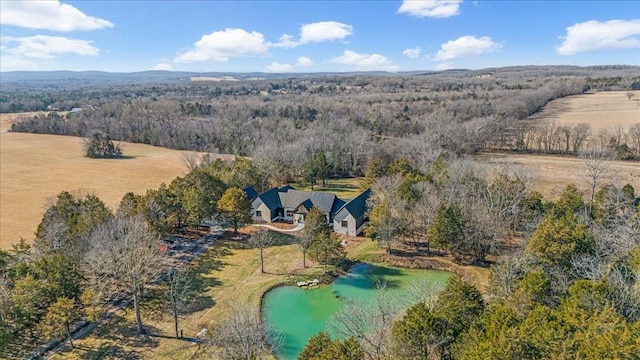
[(349, 120)]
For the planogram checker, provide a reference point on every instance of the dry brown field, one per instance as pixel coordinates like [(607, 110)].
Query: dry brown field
[(601, 110), (35, 168), (551, 174)]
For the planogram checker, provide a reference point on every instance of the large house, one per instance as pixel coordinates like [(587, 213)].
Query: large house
[(347, 216)]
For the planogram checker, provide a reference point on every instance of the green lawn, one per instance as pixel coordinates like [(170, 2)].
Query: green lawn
[(344, 188)]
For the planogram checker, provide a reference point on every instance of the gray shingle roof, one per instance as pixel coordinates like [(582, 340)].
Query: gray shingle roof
[(322, 200), (358, 206), (290, 198)]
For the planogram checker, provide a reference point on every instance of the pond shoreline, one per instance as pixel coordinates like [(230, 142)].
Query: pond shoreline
[(299, 314)]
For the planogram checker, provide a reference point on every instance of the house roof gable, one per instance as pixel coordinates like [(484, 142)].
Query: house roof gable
[(271, 199), (251, 192), (358, 206)]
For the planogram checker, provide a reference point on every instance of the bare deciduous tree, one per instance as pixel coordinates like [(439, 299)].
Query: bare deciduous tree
[(596, 170), (191, 160), (261, 239), (178, 291), (124, 255), (634, 139), (581, 132), (370, 324), (630, 94), (244, 335)]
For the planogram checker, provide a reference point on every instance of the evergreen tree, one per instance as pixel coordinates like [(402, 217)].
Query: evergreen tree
[(57, 322), (315, 227), (557, 239), (326, 249), (418, 334), (102, 147), (235, 207)]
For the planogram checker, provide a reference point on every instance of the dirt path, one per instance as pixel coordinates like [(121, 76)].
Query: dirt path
[(298, 227)]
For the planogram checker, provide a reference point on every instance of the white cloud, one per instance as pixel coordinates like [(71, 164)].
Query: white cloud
[(13, 63), (365, 61), (275, 67), (316, 32), (595, 35), (466, 46), (219, 46), (48, 47), (48, 15), (286, 41), (430, 8), (324, 31), (162, 66), (412, 53), (304, 61)]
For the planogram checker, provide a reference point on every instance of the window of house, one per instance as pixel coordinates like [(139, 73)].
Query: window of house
[(345, 223), (289, 213), (258, 213)]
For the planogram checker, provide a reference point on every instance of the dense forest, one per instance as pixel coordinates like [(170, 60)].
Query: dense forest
[(351, 118)]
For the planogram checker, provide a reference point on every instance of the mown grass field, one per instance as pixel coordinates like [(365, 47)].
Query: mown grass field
[(344, 188), (551, 174), (35, 168), (601, 110)]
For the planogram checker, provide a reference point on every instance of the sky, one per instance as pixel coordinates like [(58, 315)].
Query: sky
[(297, 36)]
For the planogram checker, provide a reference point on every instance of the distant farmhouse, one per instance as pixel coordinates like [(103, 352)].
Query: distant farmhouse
[(288, 204)]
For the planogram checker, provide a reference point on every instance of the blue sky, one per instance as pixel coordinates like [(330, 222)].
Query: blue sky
[(314, 36)]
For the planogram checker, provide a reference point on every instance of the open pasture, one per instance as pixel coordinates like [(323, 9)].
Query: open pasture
[(35, 168), (550, 174), (601, 110)]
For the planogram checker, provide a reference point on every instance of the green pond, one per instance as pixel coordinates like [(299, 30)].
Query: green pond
[(300, 314)]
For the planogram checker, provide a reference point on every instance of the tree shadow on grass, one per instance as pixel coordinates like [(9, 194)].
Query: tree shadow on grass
[(280, 239), (122, 331), (108, 351)]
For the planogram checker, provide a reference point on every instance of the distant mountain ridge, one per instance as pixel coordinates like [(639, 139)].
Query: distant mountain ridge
[(151, 76)]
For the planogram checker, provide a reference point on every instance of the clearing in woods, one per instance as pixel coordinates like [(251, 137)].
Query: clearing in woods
[(601, 110), (551, 174), (35, 168)]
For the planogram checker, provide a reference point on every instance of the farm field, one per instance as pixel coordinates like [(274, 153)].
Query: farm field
[(551, 174), (35, 168), (600, 110)]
